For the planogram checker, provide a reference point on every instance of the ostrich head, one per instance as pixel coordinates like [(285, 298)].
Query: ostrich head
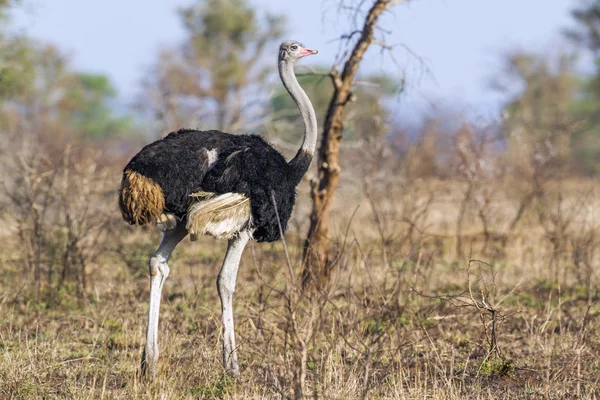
[(291, 50)]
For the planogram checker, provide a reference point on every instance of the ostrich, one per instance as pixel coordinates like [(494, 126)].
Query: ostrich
[(234, 187)]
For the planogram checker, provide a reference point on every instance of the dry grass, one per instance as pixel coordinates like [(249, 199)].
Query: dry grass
[(405, 316)]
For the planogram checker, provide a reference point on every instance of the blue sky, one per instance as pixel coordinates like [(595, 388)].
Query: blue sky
[(461, 41)]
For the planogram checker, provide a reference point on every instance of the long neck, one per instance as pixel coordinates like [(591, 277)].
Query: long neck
[(301, 161)]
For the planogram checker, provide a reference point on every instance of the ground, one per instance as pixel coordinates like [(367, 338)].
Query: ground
[(404, 316)]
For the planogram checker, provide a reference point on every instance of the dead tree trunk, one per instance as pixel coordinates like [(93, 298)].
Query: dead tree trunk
[(317, 262)]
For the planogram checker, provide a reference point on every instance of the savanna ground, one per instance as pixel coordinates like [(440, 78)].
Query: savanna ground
[(440, 289)]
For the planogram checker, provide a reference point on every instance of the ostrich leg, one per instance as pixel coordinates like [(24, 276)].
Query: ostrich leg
[(159, 271), (226, 287)]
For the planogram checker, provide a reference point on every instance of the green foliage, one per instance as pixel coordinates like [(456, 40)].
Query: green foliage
[(538, 124), (230, 23), (587, 30), (585, 106), (361, 113), (284, 111), (37, 83), (319, 90), (218, 65), (16, 67), (87, 106), (546, 84), (497, 367), (586, 136), (216, 390), (555, 99)]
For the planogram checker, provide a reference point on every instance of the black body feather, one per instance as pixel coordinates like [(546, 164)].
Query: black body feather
[(246, 164)]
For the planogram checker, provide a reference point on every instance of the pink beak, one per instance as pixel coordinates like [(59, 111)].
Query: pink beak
[(307, 52)]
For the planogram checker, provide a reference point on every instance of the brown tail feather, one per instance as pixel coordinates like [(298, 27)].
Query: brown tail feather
[(141, 199)]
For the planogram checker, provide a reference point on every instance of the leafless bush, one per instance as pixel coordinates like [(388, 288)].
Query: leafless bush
[(357, 319), (487, 301), (585, 244), (57, 209), (477, 170)]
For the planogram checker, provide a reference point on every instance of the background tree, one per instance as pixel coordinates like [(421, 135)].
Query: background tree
[(538, 123), (587, 30), (88, 105), (51, 181), (42, 93), (216, 78), (16, 70), (585, 107)]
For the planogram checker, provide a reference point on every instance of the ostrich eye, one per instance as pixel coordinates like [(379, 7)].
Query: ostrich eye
[(294, 47)]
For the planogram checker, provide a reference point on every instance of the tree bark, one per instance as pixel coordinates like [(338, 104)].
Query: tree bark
[(316, 256)]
